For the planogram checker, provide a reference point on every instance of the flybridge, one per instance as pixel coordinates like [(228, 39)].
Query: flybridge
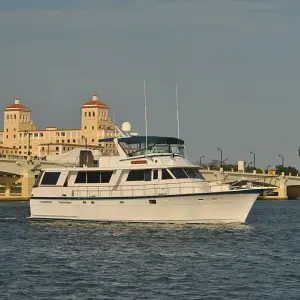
[(141, 145)]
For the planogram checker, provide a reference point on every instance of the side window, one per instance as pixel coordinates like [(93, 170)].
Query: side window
[(50, 178), (155, 174), (179, 173), (192, 172), (81, 177), (165, 174), (139, 175), (105, 176), (136, 175), (147, 175), (93, 177)]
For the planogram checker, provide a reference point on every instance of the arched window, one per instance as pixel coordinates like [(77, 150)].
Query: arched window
[(15, 117), (11, 117), (89, 113), (85, 114), (7, 117), (94, 114)]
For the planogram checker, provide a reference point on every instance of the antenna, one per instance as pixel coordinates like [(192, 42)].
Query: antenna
[(114, 121), (177, 111), (146, 125)]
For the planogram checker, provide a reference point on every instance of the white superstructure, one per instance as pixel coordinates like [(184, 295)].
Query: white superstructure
[(153, 183)]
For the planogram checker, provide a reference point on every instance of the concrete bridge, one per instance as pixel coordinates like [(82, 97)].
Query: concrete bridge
[(288, 185), (19, 173), (22, 173)]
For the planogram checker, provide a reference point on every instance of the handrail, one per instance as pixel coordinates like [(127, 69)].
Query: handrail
[(139, 190)]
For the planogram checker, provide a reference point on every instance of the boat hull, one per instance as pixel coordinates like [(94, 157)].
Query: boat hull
[(226, 207)]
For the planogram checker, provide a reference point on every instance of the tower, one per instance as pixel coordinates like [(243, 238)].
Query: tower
[(16, 119), (94, 117)]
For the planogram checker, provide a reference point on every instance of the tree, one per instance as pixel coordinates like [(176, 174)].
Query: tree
[(214, 164), (287, 170)]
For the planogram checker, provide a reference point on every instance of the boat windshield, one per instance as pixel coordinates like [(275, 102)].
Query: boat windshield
[(151, 149), (142, 145)]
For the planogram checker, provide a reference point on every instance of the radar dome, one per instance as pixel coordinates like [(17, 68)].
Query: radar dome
[(126, 127)]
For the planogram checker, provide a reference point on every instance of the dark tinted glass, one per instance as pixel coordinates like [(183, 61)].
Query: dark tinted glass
[(165, 174), (81, 177), (198, 173), (191, 172), (136, 175), (147, 175), (50, 178), (105, 176), (178, 173), (93, 177), (155, 174)]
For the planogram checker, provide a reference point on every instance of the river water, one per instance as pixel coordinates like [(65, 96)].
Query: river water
[(72, 260)]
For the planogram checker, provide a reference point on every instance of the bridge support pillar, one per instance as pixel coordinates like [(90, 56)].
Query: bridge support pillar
[(27, 184), (282, 189), (7, 189)]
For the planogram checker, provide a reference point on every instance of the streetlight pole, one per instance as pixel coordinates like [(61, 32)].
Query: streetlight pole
[(221, 156), (200, 160), (282, 159), (251, 152), (26, 132)]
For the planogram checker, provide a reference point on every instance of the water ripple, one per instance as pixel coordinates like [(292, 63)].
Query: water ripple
[(82, 260)]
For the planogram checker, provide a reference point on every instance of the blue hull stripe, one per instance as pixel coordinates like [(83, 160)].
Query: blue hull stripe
[(244, 192)]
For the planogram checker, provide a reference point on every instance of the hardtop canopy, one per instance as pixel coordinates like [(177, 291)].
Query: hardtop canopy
[(156, 140)]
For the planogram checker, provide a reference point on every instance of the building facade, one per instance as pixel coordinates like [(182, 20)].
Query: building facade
[(21, 139)]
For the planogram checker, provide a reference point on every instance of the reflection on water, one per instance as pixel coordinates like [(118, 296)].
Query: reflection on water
[(86, 260)]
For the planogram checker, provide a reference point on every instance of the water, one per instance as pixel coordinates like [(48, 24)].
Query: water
[(69, 260)]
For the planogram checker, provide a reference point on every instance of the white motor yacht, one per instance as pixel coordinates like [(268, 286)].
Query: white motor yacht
[(150, 180)]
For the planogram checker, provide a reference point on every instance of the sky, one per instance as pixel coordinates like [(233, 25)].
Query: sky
[(236, 63)]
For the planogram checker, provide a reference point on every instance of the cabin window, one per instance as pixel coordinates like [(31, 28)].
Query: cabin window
[(165, 174), (147, 175), (179, 173), (105, 176), (139, 175), (155, 174), (93, 177), (193, 173), (136, 175), (50, 178), (81, 177)]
